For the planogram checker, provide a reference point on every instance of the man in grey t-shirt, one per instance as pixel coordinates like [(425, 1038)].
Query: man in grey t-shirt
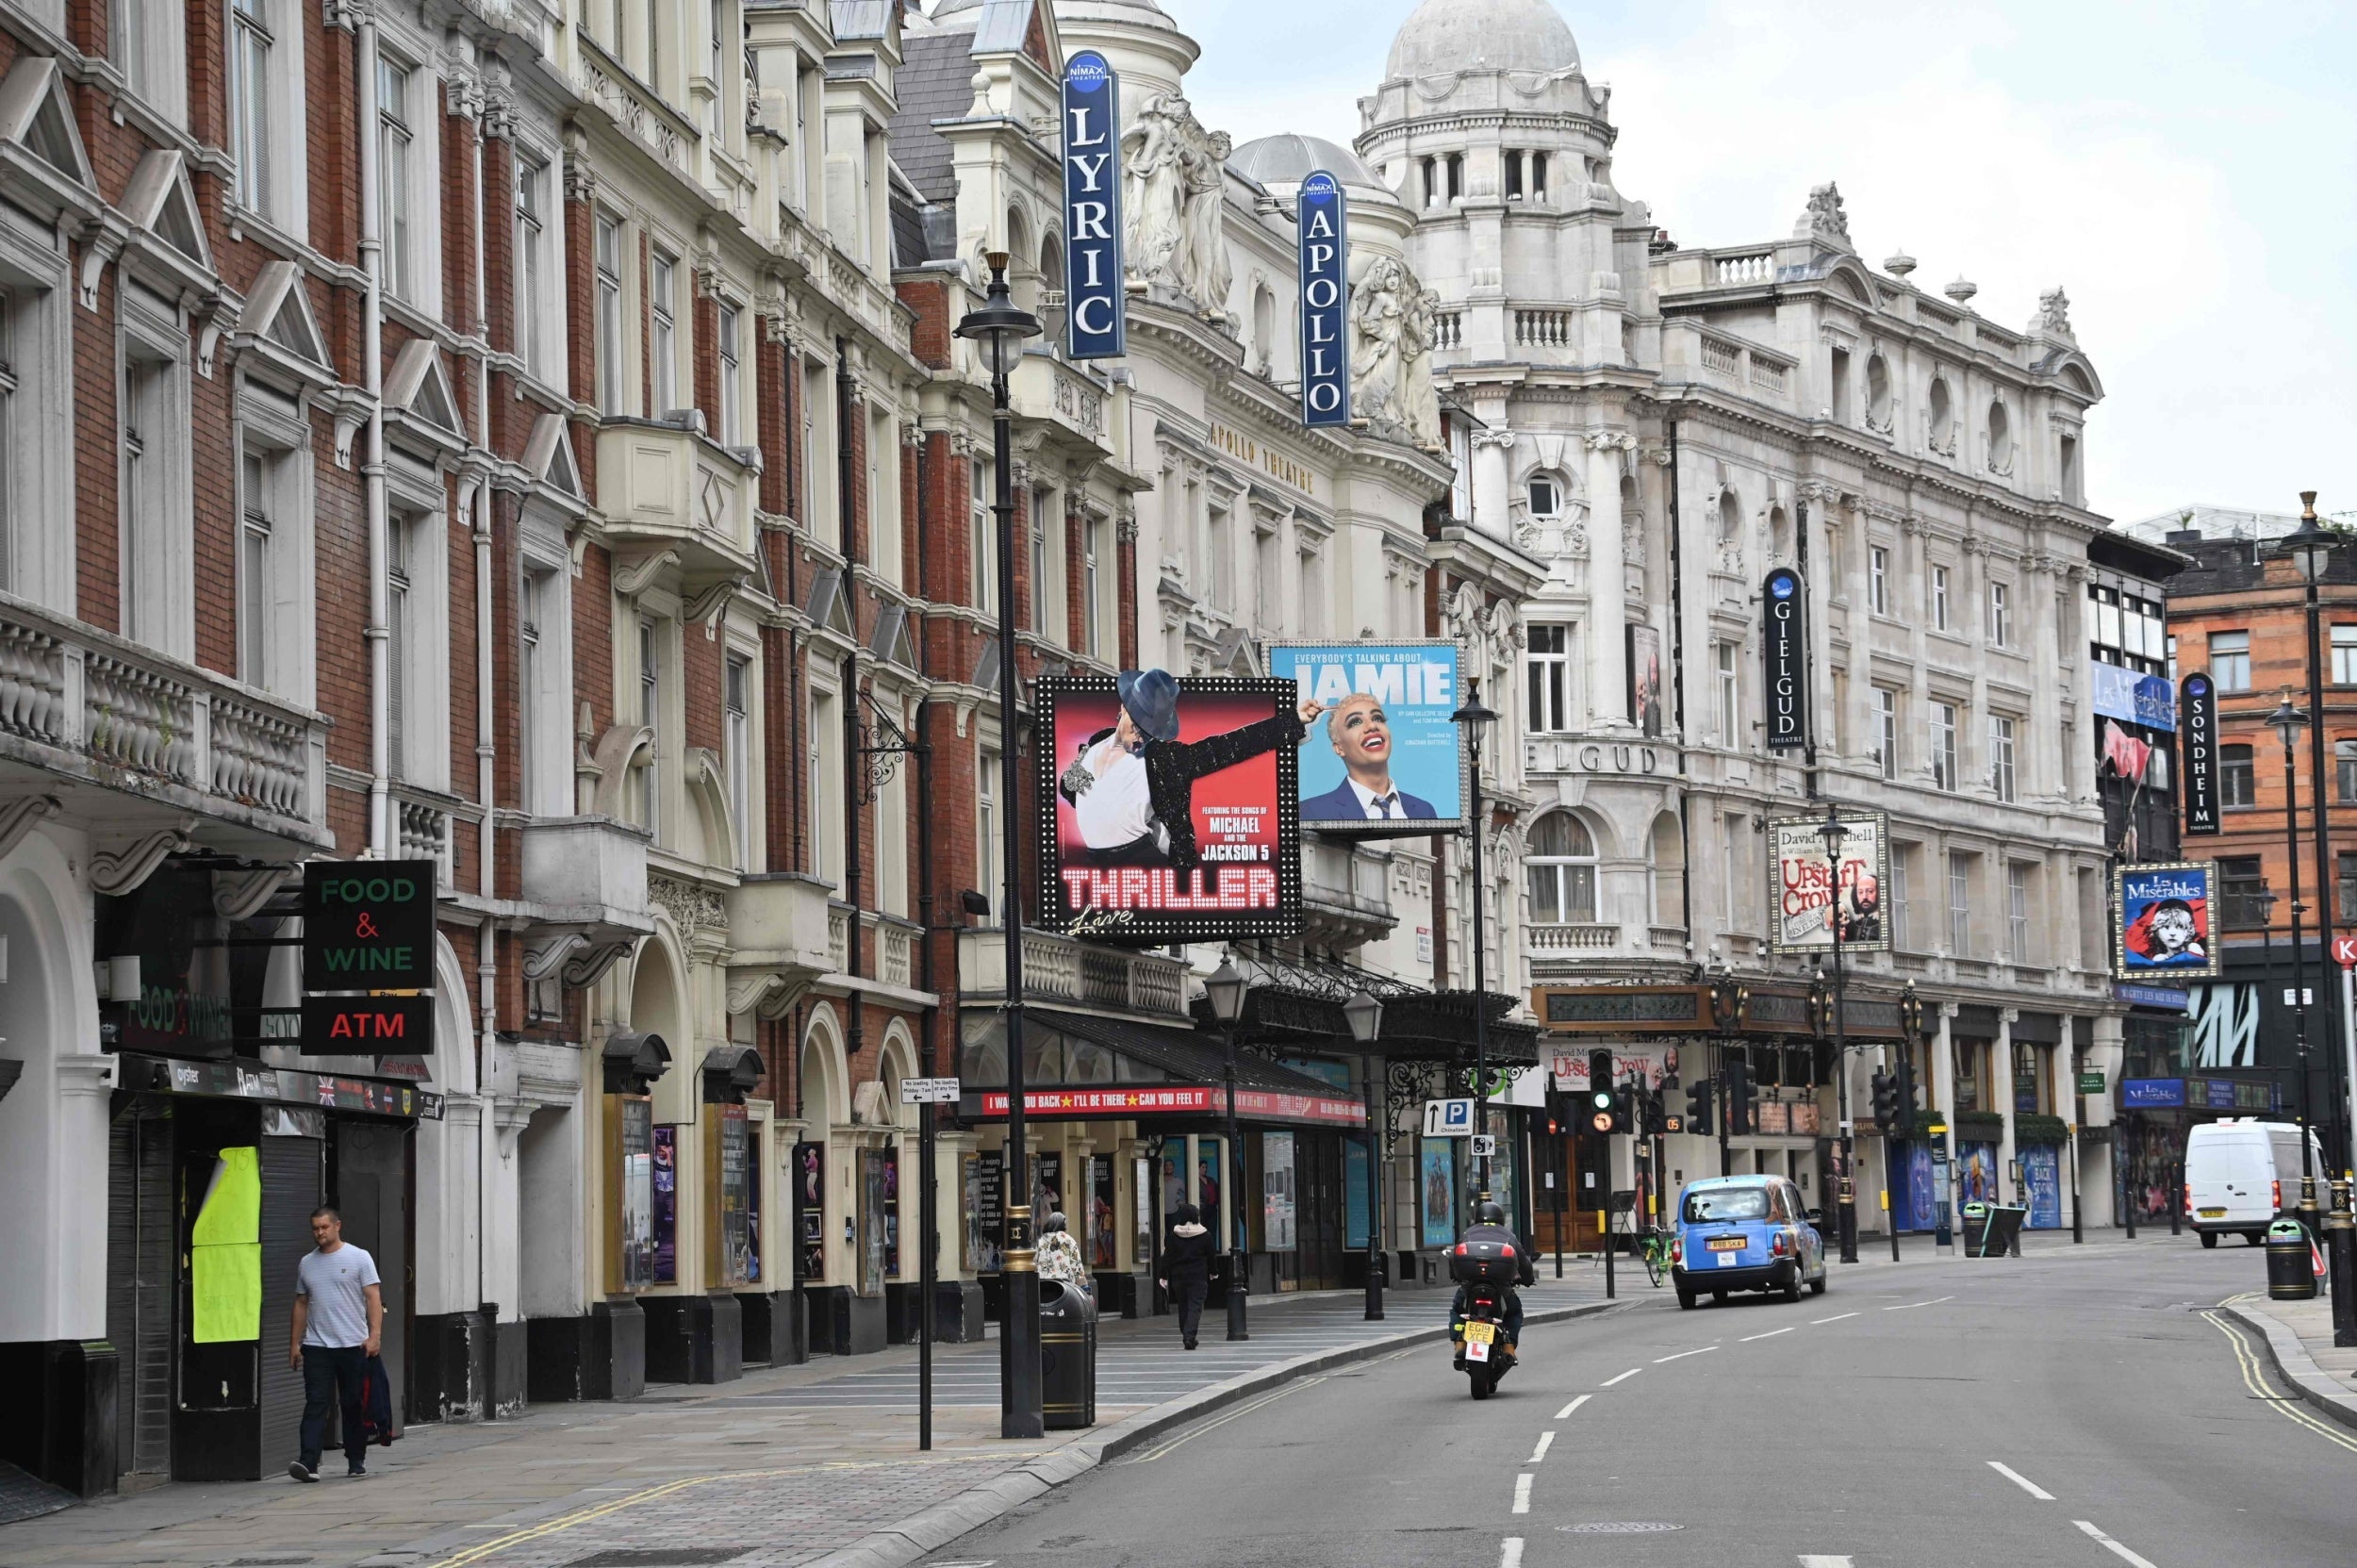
[(338, 1324)]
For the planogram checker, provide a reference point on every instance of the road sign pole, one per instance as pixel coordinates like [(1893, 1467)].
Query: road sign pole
[(2345, 947)]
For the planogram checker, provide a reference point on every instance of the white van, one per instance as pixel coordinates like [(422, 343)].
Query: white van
[(2242, 1175)]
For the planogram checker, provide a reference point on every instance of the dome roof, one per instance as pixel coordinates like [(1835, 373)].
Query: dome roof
[(1290, 160), (1448, 36)]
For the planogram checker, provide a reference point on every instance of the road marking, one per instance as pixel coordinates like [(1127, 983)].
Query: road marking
[(1567, 1410), (1837, 1317), (2113, 1546), (1245, 1409), (1683, 1354), (1771, 1334), (1522, 1494), (1510, 1554), (2255, 1381), (2022, 1481), (1807, 1561), (1621, 1378), (1546, 1441), (1912, 1305)]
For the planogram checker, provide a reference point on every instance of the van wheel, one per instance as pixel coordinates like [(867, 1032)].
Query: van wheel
[(1717, 1299), (1817, 1286), (1686, 1298), (2253, 1237), (2209, 1239)]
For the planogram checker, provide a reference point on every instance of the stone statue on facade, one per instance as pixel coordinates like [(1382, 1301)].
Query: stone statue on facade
[(1823, 220), (1175, 172), (1392, 328), (1420, 399), (2053, 314)]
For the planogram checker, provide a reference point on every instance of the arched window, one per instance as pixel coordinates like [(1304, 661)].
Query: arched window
[(1780, 533), (2000, 435), (1264, 322), (1546, 495), (1668, 872), (1561, 862), (1730, 517), (1051, 315)]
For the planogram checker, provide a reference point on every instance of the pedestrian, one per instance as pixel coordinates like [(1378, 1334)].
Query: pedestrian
[(1187, 1269), (338, 1324), (1059, 1256)]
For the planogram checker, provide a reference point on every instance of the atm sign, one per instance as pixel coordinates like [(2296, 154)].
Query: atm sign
[(367, 1025), (368, 925)]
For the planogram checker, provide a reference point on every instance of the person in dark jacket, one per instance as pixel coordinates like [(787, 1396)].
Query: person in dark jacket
[(1187, 1268), (1489, 1225)]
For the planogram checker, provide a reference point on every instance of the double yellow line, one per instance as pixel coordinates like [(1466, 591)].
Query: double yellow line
[(1245, 1409), (2255, 1381), (583, 1516)]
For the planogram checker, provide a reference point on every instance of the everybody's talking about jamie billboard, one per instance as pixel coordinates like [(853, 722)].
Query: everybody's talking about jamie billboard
[(1383, 757)]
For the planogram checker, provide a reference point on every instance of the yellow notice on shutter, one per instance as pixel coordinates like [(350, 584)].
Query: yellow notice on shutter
[(225, 1252)]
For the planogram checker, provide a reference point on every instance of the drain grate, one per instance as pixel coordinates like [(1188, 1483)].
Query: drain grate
[(659, 1556), (1634, 1527)]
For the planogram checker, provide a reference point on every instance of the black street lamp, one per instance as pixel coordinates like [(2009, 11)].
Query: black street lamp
[(1910, 1035), (2287, 721), (1000, 330), (1225, 988), (1834, 835), (1366, 1015), (1473, 718), (2310, 549)]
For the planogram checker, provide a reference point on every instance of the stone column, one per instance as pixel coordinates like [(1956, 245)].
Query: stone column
[(1944, 1095), (1493, 481), (2002, 1073), (1607, 575), (2048, 777), (1915, 723)]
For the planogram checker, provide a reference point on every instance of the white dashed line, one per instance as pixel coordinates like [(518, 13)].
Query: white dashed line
[(1683, 1354), (1510, 1554), (1771, 1334), (1567, 1410), (2022, 1481), (1837, 1317), (1807, 1561), (1522, 1494), (1546, 1441), (1621, 1378), (2113, 1546), (1912, 1305)]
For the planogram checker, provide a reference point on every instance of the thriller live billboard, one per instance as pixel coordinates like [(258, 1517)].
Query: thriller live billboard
[(1172, 806)]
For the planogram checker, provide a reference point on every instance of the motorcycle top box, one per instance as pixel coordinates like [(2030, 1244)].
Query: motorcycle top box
[(1482, 1263)]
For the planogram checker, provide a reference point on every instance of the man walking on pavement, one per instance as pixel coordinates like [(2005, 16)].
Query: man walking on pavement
[(338, 1324)]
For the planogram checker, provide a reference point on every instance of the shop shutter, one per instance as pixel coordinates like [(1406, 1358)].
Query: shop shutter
[(292, 1173), (140, 1289)]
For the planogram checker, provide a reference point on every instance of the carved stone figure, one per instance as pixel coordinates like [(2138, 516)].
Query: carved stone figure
[(1204, 270), (1420, 400), (1175, 173), (1379, 334), (2053, 314), (1824, 221)]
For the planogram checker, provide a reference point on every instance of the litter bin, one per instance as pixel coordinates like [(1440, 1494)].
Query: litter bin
[(1067, 1355), (1975, 1228), (1993, 1230), (2291, 1266)]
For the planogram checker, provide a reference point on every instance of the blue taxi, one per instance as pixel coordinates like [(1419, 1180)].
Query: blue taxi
[(1744, 1234)]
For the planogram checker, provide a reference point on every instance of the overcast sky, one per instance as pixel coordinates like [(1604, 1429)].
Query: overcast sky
[(2188, 172)]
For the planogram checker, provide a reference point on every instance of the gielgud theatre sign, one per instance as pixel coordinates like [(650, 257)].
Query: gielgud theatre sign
[(1172, 806)]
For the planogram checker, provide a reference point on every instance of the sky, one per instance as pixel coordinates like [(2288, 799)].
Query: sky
[(2187, 172)]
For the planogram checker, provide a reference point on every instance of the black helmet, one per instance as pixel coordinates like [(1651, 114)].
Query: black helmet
[(1488, 1214)]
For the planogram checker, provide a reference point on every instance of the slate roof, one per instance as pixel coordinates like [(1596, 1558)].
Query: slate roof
[(935, 82)]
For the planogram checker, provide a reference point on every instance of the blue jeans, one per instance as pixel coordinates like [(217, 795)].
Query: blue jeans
[(330, 1371)]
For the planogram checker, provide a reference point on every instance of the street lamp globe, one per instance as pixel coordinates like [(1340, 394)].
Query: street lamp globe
[(999, 327), (1226, 989), (2288, 721), (1365, 1015), (1473, 715), (2309, 547), (1832, 831)]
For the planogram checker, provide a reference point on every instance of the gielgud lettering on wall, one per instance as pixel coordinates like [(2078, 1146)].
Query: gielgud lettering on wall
[(1174, 812)]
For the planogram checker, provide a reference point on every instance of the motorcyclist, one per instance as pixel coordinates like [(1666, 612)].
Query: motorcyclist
[(1489, 1225)]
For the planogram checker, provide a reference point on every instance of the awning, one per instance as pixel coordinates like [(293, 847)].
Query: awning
[(1175, 1073)]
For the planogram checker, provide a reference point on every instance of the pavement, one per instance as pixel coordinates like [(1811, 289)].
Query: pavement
[(2082, 1406), (2297, 1337), (785, 1467)]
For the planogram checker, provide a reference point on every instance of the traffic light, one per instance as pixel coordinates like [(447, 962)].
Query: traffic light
[(1903, 1122), (1739, 1112), (1698, 1108), (1623, 1098), (1603, 1109), (1886, 1102)]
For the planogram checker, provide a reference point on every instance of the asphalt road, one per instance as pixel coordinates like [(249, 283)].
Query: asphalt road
[(2071, 1407)]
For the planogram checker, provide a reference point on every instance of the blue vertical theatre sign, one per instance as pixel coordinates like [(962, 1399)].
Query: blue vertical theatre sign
[(1325, 301), (1095, 311)]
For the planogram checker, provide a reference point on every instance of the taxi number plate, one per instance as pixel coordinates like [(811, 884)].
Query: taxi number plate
[(1726, 1244), (1480, 1333), (2212, 1213)]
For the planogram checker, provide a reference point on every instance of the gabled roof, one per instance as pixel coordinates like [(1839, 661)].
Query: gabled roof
[(36, 114), (160, 199)]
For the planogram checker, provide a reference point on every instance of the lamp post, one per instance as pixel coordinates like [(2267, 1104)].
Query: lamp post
[(2310, 549), (1834, 835), (1226, 989), (2287, 721), (1366, 1015), (1911, 1035), (1473, 718), (1000, 330)]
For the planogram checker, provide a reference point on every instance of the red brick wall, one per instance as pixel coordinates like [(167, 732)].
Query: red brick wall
[(704, 323), (97, 472)]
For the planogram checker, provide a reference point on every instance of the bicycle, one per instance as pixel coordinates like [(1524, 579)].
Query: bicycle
[(1656, 1249)]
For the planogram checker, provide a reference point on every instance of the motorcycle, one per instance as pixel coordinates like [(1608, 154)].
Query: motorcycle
[(1484, 1354)]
